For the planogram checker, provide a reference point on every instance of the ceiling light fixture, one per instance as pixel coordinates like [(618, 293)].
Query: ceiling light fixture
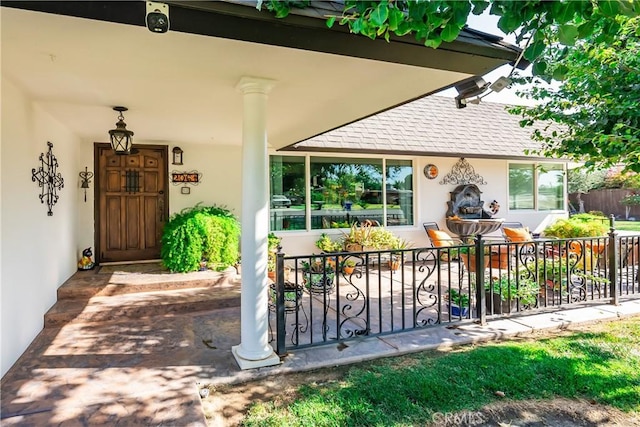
[(121, 137)]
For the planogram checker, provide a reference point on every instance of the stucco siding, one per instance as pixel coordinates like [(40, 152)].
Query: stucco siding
[(38, 252)]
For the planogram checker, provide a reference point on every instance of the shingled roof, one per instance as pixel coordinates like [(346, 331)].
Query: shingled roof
[(431, 126)]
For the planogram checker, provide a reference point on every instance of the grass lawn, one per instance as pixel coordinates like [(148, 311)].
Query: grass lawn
[(628, 225), (601, 365)]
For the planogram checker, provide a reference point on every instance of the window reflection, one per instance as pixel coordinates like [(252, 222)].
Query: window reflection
[(399, 187), (343, 191), (536, 186), (287, 199)]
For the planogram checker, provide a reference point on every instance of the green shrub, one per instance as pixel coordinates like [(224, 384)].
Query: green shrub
[(202, 232), (581, 225)]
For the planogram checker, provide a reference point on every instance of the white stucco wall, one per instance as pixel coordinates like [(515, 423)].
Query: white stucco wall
[(221, 168), (38, 252)]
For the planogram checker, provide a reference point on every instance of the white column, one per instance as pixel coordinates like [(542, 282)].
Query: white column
[(254, 350)]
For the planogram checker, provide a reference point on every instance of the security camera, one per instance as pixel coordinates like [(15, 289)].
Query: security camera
[(472, 86), (157, 17)]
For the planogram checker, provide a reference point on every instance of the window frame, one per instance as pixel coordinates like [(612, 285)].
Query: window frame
[(338, 156), (537, 166)]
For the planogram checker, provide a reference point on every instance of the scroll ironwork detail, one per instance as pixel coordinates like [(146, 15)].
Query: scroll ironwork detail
[(463, 173)]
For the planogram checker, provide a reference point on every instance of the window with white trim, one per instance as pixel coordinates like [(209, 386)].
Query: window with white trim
[(318, 192), (536, 186)]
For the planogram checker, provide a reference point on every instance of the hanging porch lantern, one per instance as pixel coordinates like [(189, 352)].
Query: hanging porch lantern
[(121, 138)]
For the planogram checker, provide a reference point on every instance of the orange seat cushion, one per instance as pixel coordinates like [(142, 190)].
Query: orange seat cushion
[(517, 234), (440, 238)]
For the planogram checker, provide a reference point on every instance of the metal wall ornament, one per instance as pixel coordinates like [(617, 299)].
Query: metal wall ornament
[(463, 173), (48, 179), (85, 180)]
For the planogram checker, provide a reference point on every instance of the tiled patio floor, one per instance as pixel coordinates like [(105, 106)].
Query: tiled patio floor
[(145, 370)]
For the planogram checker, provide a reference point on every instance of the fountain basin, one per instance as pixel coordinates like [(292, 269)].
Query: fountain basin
[(465, 228)]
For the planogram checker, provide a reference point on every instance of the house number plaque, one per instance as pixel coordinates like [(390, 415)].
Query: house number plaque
[(186, 177)]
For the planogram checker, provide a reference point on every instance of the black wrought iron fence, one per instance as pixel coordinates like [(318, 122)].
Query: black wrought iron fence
[(328, 298)]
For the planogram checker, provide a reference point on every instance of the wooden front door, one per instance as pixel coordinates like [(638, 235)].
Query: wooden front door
[(132, 202)]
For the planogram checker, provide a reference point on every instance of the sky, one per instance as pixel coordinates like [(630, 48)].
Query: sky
[(489, 24)]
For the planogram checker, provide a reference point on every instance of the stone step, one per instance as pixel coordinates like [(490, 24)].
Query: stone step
[(107, 308), (137, 278)]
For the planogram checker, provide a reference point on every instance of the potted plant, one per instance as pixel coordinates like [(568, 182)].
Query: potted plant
[(348, 266), (499, 257), (317, 275), (468, 256), (292, 296), (325, 244), (397, 246), (504, 291), (552, 273), (366, 237), (457, 303)]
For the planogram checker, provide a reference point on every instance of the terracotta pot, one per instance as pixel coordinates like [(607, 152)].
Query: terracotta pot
[(500, 260), (469, 261), (348, 270)]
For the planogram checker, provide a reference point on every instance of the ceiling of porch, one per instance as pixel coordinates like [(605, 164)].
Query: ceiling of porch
[(180, 87)]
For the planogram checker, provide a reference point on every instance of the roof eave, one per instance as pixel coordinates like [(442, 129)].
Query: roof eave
[(241, 21)]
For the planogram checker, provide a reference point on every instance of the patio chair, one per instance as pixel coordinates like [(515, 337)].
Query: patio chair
[(439, 238), (515, 232)]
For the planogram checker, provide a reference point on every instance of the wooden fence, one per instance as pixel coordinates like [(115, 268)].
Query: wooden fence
[(606, 201)]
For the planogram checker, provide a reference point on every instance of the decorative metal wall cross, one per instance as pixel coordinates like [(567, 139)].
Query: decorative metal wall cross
[(48, 179), (463, 173)]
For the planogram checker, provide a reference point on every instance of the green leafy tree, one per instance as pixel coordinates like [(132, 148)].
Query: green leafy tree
[(616, 178), (591, 46), (594, 114), (628, 201), (436, 21)]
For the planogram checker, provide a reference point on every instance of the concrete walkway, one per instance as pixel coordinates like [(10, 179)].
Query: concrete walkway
[(146, 371)]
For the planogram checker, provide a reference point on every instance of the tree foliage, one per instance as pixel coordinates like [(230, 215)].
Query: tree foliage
[(436, 21), (580, 180), (594, 114), (590, 45)]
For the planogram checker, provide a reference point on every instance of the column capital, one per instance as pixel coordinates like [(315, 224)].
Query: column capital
[(255, 85)]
